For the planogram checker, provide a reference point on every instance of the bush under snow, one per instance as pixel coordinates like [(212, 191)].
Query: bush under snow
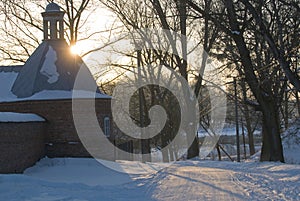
[(291, 143)]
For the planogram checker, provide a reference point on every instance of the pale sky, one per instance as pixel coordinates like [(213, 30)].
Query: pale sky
[(99, 20)]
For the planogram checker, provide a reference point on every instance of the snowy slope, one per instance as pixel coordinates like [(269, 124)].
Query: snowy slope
[(85, 179), (291, 143), (77, 170)]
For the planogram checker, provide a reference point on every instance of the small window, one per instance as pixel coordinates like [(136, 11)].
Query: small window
[(57, 30), (106, 126), (48, 30)]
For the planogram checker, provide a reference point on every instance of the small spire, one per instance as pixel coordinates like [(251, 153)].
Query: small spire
[(53, 19)]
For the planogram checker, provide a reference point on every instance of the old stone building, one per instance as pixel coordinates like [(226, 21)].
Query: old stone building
[(36, 102)]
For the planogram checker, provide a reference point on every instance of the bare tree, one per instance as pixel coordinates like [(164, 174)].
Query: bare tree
[(257, 30), (22, 25), (172, 15)]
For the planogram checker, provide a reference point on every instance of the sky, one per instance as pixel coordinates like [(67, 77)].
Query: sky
[(98, 20)]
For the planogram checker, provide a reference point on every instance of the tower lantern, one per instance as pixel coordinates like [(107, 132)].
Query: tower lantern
[(53, 22)]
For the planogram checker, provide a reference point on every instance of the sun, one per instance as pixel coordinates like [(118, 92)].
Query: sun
[(75, 49)]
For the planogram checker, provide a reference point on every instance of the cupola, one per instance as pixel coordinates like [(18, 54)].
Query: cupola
[(53, 22)]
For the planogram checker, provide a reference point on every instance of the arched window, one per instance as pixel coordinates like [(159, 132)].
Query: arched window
[(106, 126)]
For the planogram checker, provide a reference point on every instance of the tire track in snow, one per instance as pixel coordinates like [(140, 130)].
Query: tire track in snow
[(199, 183)]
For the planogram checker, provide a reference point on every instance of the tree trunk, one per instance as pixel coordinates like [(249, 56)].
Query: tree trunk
[(298, 102), (171, 152), (164, 143), (271, 147), (286, 109), (191, 128), (193, 150), (165, 156), (219, 152), (248, 120), (250, 133)]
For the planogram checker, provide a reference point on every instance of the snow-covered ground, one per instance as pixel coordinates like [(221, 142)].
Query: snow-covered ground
[(291, 143), (85, 179), (229, 130)]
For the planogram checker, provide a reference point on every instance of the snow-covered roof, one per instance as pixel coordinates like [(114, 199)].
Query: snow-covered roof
[(19, 117), (50, 67), (49, 73), (8, 77)]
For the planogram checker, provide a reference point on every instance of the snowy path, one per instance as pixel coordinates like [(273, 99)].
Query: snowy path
[(196, 183), (203, 181)]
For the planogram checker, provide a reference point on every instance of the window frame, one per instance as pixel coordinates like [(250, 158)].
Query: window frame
[(106, 126)]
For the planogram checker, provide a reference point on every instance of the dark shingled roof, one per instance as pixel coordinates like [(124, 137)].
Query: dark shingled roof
[(32, 78), (52, 7), (7, 69)]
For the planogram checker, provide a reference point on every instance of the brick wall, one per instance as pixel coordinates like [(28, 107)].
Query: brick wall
[(61, 137), (21, 145)]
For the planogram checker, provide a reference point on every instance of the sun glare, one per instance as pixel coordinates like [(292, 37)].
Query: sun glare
[(75, 49)]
